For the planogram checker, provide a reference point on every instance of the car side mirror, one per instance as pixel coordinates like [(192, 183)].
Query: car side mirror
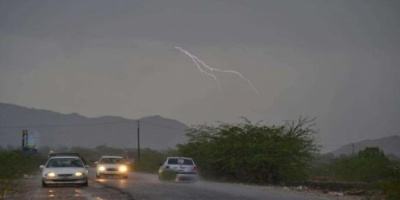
[(41, 166), (96, 162)]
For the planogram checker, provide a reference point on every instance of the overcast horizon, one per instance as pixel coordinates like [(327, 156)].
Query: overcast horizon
[(337, 61)]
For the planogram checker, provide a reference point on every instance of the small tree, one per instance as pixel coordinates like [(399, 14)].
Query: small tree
[(252, 152)]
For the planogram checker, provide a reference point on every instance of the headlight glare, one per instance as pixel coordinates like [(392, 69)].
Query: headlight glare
[(78, 174), (102, 168), (122, 168), (51, 174)]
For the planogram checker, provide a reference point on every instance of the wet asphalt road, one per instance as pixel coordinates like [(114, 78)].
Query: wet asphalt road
[(141, 186)]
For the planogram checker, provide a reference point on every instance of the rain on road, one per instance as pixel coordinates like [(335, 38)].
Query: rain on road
[(141, 186)]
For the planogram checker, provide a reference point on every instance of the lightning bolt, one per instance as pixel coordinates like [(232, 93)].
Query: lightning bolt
[(197, 61), (203, 66)]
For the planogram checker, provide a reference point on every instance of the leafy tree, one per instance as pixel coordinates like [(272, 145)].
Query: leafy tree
[(368, 165), (252, 152)]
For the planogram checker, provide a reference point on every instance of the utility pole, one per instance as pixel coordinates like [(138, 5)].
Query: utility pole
[(138, 141)]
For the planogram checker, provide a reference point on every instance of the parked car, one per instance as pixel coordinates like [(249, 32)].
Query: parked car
[(184, 167), (109, 166), (64, 169)]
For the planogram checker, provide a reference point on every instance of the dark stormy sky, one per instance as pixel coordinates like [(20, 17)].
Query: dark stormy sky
[(337, 60)]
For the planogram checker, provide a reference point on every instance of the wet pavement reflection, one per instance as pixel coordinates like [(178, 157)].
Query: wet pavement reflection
[(97, 190)]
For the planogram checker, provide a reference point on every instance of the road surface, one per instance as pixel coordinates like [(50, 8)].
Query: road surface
[(141, 186)]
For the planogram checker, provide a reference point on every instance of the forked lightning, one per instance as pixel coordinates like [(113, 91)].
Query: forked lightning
[(202, 66)]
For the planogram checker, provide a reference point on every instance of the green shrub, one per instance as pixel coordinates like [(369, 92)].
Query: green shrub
[(14, 165), (252, 153), (392, 190)]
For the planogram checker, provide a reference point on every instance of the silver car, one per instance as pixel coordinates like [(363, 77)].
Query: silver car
[(61, 170), (184, 167)]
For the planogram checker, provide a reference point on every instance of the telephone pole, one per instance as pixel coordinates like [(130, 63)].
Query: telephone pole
[(138, 141)]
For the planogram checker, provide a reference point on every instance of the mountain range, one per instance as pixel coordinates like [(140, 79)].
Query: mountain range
[(389, 145), (74, 130)]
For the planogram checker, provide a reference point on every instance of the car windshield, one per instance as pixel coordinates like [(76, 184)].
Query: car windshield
[(64, 162), (112, 161), (180, 161)]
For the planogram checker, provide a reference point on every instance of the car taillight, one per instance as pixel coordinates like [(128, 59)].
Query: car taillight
[(194, 169)]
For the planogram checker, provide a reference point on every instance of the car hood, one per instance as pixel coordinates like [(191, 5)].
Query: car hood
[(111, 165), (64, 170)]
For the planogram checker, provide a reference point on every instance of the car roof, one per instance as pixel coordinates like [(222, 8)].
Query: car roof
[(112, 157), (64, 154), (54, 157), (176, 157)]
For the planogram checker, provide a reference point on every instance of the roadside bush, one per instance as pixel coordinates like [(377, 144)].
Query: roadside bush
[(369, 169), (252, 153), (14, 165), (392, 190), (369, 165), (392, 187)]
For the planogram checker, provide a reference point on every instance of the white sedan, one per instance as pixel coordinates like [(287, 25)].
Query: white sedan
[(112, 166), (60, 170), (184, 167)]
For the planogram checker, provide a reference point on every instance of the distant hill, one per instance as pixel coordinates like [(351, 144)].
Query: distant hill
[(69, 130), (390, 145)]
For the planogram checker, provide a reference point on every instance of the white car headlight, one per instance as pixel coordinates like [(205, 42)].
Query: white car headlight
[(122, 168), (102, 168), (51, 174), (78, 174)]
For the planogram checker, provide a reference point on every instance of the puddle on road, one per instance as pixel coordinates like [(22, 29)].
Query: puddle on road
[(61, 193), (93, 192), (32, 189)]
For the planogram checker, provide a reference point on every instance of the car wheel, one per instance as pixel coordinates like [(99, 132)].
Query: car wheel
[(85, 184)]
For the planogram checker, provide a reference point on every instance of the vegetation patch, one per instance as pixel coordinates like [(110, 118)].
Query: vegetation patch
[(14, 166), (252, 153), (369, 169)]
